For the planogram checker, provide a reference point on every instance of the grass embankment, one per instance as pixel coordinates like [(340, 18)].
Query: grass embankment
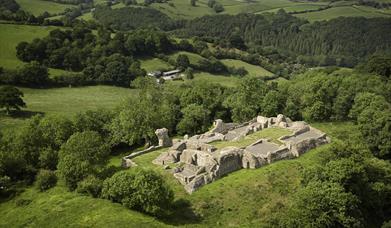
[(248, 197), (66, 101)]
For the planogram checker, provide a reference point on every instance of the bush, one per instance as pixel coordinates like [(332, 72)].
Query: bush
[(140, 189), (91, 186), (46, 179)]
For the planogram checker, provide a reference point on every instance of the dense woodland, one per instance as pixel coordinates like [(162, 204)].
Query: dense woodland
[(341, 41), (133, 18)]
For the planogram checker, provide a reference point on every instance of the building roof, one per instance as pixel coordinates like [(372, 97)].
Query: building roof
[(171, 72)]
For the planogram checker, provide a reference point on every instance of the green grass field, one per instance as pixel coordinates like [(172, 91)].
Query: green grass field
[(67, 101), (253, 70), (346, 11), (298, 8), (183, 9), (179, 9), (154, 64), (37, 7), (228, 81), (193, 58), (11, 35)]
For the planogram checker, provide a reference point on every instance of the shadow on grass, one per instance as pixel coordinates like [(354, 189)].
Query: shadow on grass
[(22, 114), (182, 214)]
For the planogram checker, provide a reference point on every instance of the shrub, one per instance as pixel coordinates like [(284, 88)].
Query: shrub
[(91, 186), (46, 179), (140, 189)]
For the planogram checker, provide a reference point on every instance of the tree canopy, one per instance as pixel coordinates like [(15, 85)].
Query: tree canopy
[(11, 98)]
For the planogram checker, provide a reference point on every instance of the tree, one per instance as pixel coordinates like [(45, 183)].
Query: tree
[(139, 189), (322, 204), (11, 98), (208, 95), (140, 116), (292, 110), (350, 165), (318, 111), (364, 100), (200, 45), (193, 2), (195, 120), (211, 3), (245, 101), (55, 130), (98, 121), (182, 61), (33, 74), (185, 45), (273, 103), (378, 64), (81, 156), (375, 126), (218, 8), (237, 41), (116, 72)]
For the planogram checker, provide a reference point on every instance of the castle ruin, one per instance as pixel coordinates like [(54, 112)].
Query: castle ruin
[(200, 163)]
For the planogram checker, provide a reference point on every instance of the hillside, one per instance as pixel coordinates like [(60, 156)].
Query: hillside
[(245, 197), (195, 113)]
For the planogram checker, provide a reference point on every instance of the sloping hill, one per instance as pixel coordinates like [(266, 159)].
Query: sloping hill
[(37, 7)]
